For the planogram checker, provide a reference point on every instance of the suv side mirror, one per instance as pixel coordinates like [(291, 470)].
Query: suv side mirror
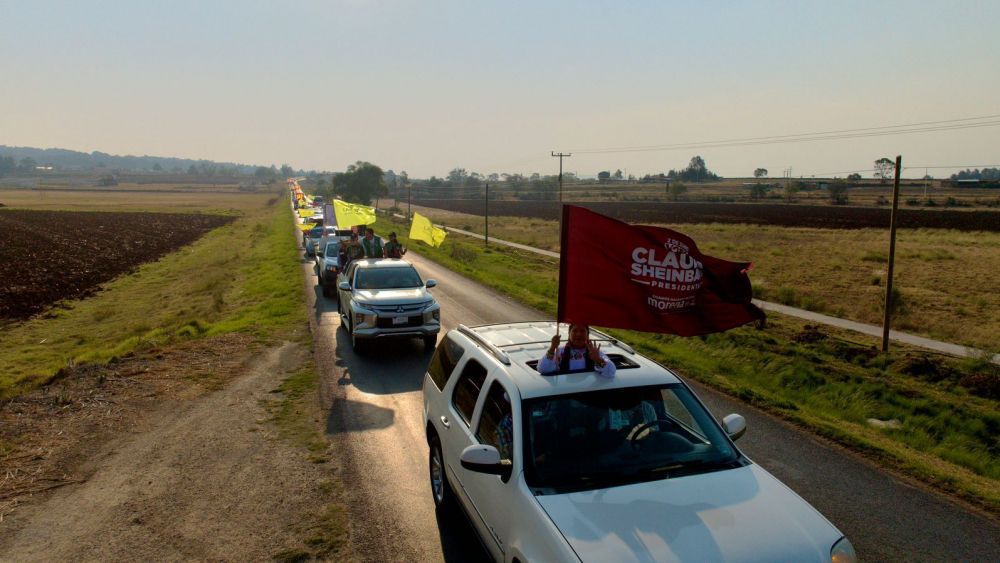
[(430, 283), (734, 425), (482, 458), (344, 286)]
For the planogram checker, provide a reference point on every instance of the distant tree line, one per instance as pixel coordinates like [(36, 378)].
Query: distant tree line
[(986, 174)]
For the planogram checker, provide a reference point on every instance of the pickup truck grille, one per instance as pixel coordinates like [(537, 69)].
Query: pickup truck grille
[(399, 309)]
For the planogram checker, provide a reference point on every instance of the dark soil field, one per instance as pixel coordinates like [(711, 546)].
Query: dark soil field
[(816, 216), (47, 256)]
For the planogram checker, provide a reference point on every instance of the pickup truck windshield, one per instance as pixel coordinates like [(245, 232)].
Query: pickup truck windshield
[(619, 436), (387, 278)]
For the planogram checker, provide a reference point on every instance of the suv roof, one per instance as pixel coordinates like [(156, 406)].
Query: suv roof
[(517, 347)]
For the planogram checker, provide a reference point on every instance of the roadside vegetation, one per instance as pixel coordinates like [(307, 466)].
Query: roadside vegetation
[(245, 282), (943, 278), (931, 416)]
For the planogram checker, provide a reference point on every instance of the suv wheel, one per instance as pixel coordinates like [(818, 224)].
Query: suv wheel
[(440, 489)]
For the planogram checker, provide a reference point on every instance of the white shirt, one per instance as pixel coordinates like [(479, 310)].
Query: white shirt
[(577, 361)]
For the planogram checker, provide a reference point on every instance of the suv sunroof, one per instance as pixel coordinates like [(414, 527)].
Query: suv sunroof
[(620, 361)]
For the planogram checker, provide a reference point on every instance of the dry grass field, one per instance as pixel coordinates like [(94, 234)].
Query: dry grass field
[(948, 281), (163, 198), (913, 193)]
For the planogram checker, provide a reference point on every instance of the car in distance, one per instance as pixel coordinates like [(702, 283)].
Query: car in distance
[(311, 238), (328, 264), (385, 298), (576, 467)]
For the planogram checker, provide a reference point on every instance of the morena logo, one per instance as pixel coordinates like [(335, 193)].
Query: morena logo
[(671, 273)]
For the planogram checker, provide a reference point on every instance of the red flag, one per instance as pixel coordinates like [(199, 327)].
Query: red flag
[(651, 279)]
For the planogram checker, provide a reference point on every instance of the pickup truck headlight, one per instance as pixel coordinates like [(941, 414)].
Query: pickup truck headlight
[(843, 552)]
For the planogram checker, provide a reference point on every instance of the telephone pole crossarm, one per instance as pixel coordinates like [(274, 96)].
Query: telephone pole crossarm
[(561, 156)]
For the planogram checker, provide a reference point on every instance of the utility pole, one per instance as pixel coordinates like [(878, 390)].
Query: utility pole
[(892, 257), (409, 199), (487, 223), (561, 156)]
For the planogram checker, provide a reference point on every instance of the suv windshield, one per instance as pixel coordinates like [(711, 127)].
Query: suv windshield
[(387, 278), (606, 438)]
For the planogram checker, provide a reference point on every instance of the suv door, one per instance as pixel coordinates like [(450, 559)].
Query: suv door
[(457, 434), (491, 494)]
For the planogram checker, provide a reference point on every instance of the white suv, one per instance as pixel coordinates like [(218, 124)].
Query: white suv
[(577, 467)]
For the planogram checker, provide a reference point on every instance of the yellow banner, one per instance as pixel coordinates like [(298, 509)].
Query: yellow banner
[(351, 214), (423, 229)]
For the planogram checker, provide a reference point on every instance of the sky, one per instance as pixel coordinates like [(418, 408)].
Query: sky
[(428, 86)]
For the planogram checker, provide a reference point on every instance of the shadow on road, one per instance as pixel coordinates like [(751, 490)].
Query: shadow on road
[(354, 416), (388, 366)]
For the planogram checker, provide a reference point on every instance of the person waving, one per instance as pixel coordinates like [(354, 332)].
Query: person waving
[(579, 354)]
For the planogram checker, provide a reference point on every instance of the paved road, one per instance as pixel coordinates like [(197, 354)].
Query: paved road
[(375, 419)]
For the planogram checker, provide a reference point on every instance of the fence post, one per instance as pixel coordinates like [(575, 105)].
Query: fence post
[(487, 214)]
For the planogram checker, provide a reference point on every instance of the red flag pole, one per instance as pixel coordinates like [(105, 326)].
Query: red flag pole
[(563, 256)]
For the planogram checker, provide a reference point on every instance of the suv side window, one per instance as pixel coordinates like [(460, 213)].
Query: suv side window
[(467, 389), (445, 357), (350, 274), (496, 423)]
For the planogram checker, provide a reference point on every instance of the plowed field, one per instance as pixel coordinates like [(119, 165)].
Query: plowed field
[(46, 256), (818, 216)]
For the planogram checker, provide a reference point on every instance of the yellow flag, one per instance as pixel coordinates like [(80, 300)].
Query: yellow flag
[(351, 214), (422, 229)]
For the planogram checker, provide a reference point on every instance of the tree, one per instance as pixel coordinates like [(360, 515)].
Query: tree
[(838, 192), (107, 180), (287, 171), (457, 176), (676, 189), (760, 173), (27, 164), (696, 171), (157, 167), (617, 175), (759, 191), (854, 177), (263, 174), (884, 169), (361, 183), (7, 165)]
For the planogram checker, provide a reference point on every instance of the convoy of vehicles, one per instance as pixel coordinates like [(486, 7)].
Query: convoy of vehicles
[(572, 466), (576, 467)]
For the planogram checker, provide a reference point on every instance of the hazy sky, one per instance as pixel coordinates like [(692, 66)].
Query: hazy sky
[(426, 86)]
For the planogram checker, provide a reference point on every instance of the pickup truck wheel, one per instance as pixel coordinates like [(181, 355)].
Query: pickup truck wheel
[(440, 489), (358, 344)]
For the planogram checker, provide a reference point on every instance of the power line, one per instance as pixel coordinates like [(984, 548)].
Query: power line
[(917, 127)]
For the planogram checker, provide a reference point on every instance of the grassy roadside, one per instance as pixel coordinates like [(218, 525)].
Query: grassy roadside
[(245, 281), (930, 423)]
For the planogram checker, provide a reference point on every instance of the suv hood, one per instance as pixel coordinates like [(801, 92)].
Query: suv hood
[(392, 296), (742, 514)]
